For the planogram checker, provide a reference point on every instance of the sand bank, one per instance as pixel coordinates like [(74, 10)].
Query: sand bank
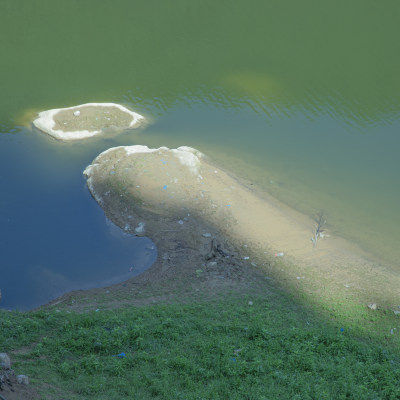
[(180, 196), (86, 120)]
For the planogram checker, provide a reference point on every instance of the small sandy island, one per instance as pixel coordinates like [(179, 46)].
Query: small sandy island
[(205, 221), (86, 120)]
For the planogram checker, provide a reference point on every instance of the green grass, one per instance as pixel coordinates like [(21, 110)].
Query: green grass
[(210, 350)]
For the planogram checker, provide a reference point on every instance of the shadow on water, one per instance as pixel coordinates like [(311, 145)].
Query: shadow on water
[(54, 237)]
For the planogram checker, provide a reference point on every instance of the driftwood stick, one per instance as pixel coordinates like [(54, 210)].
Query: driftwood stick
[(320, 222)]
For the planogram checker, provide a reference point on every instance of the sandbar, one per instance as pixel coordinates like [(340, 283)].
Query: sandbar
[(86, 120), (181, 196)]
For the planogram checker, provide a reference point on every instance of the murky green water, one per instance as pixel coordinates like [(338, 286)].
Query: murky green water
[(301, 97)]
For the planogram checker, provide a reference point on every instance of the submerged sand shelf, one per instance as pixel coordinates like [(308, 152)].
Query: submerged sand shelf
[(151, 191), (86, 120)]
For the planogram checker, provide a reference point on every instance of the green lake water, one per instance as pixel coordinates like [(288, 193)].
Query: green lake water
[(301, 97)]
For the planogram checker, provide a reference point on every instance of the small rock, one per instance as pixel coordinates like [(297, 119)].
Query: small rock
[(207, 235), (77, 113), (372, 306), (396, 312), (140, 228), (180, 222), (5, 362), (214, 264), (23, 379), (250, 303)]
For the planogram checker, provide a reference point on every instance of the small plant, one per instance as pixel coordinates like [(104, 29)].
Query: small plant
[(320, 221)]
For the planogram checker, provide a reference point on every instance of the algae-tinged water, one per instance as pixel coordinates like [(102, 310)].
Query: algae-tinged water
[(302, 98)]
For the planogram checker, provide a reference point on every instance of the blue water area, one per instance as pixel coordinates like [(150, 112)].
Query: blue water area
[(54, 237)]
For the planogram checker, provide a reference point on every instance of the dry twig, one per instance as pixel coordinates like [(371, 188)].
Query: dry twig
[(320, 222)]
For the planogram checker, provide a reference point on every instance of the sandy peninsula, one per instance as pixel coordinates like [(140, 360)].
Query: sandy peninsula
[(206, 222)]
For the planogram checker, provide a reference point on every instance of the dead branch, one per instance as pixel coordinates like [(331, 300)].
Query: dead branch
[(320, 221)]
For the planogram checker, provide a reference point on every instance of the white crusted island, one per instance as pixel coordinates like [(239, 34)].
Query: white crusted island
[(86, 120)]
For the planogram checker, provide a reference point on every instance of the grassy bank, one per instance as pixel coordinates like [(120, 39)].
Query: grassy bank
[(230, 349)]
